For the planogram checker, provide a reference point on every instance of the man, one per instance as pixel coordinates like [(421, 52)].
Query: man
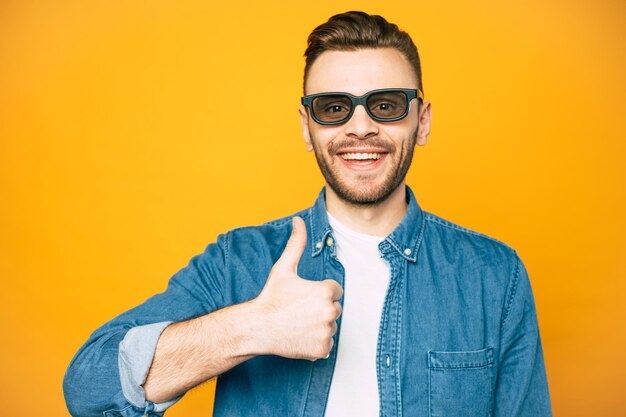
[(362, 305)]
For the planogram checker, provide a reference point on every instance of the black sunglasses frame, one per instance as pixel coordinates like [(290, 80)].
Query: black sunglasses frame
[(410, 94)]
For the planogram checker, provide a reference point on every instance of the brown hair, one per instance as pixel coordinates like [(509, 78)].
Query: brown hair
[(358, 30)]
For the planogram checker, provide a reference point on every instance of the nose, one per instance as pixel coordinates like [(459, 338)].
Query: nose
[(361, 124)]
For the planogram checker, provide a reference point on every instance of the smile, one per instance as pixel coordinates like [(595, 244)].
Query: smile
[(360, 156)]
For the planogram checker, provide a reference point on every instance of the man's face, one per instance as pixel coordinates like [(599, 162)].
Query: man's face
[(364, 161)]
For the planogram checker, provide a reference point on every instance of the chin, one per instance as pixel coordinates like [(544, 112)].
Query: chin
[(362, 195)]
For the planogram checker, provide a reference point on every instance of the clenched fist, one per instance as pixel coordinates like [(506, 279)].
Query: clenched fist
[(299, 315)]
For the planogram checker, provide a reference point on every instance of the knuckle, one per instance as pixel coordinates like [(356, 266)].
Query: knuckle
[(330, 287), (324, 335), (330, 315), (324, 348), (328, 291), (324, 291), (291, 243), (328, 345), (337, 308)]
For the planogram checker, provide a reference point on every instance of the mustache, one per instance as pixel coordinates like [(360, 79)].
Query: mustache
[(375, 142)]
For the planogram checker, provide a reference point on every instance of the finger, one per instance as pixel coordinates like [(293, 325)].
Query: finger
[(295, 246), (338, 307), (332, 343), (333, 328), (337, 291)]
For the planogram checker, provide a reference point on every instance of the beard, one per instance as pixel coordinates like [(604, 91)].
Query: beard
[(365, 192)]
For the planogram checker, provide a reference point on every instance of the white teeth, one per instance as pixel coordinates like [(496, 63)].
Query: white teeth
[(360, 156)]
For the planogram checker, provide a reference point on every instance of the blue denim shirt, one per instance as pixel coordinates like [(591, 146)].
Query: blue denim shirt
[(458, 333)]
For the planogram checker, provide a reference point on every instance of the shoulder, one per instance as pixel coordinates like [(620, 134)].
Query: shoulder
[(267, 239), (268, 229), (480, 259), (452, 234), (457, 248)]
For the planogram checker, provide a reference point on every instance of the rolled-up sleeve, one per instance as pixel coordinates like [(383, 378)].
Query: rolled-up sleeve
[(135, 358), (105, 376)]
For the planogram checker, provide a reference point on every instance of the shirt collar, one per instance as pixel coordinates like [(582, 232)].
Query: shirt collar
[(404, 239)]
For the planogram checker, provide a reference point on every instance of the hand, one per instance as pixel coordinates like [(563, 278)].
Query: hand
[(299, 316)]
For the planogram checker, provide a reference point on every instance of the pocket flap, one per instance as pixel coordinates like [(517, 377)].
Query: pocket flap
[(461, 360)]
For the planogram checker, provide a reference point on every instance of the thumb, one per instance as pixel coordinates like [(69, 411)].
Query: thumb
[(295, 246)]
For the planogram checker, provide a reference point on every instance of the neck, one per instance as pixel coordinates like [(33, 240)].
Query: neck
[(378, 220)]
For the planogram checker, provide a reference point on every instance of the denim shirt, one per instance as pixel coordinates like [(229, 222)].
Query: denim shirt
[(458, 333)]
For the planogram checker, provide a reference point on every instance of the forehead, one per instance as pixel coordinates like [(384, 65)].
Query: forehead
[(360, 71)]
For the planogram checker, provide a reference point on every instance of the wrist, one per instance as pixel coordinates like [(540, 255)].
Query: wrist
[(251, 330)]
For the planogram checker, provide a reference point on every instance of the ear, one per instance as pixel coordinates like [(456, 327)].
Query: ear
[(304, 121), (424, 116)]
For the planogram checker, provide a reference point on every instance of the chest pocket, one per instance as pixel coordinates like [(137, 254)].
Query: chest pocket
[(461, 384)]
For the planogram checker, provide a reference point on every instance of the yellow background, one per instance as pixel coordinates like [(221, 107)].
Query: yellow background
[(132, 133)]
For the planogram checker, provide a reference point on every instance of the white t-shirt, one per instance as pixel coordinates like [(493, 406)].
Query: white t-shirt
[(354, 387)]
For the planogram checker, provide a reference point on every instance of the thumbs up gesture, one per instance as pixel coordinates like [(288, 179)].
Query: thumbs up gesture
[(299, 315)]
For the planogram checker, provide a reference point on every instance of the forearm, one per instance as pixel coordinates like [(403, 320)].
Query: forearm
[(191, 352), (291, 317)]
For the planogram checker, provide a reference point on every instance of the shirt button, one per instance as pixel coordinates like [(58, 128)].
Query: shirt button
[(388, 361), (407, 251), (318, 245), (329, 241)]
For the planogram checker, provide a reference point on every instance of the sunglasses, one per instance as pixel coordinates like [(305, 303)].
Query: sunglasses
[(385, 105)]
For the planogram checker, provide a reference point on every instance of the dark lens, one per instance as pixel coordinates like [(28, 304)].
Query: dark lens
[(387, 104), (332, 108)]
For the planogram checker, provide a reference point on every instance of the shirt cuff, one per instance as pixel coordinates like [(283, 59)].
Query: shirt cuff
[(134, 359)]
